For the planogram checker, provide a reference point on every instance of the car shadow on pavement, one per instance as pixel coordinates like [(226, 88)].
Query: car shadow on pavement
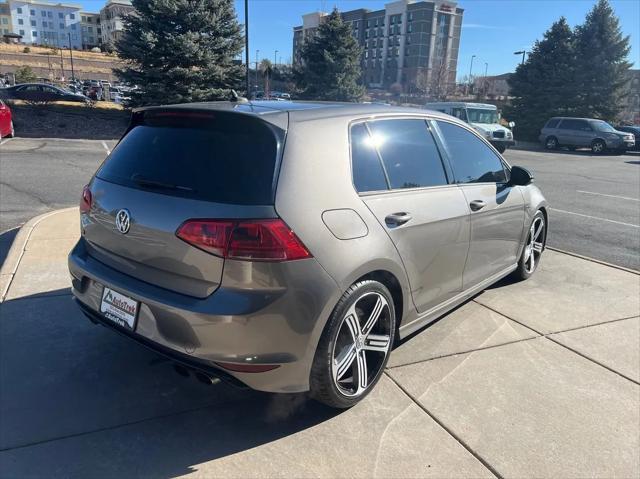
[(6, 240), (62, 377)]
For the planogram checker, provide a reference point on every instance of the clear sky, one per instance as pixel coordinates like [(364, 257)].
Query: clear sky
[(492, 29)]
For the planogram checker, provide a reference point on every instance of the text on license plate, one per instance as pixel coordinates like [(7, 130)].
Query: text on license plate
[(119, 308)]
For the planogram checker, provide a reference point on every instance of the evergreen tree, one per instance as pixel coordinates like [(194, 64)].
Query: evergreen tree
[(602, 66), (544, 86), (180, 51), (330, 68)]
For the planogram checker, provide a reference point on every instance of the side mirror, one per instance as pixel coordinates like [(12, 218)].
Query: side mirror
[(520, 176)]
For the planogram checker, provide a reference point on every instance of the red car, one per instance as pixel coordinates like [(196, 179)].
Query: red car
[(6, 124)]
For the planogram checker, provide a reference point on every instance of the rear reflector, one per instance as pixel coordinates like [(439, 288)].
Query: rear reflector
[(252, 240), (85, 200), (248, 368)]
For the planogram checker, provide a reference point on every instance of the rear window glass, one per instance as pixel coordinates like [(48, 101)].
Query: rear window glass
[(224, 158)]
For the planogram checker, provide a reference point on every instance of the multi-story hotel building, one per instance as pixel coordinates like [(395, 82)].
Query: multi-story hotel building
[(91, 30), (409, 42), (111, 19), (43, 23)]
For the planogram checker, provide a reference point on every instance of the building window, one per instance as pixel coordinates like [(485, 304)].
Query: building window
[(73, 26), (406, 52), (5, 21), (410, 28), (410, 16), (90, 29), (32, 12), (368, 23), (366, 54), (393, 20), (50, 14), (375, 33), (83, 19), (375, 22), (34, 34), (22, 32), (43, 13), (33, 23), (366, 34), (72, 16), (408, 39), (60, 15), (61, 26), (20, 21), (20, 11)]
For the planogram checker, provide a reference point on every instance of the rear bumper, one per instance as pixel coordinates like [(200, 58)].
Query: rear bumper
[(276, 319)]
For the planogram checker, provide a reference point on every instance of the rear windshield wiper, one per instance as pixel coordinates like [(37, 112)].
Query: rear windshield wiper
[(142, 181)]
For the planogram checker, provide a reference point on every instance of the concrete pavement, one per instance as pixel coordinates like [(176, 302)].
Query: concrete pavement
[(531, 379)]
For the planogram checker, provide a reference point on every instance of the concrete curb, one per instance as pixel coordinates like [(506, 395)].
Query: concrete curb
[(14, 256), (593, 260)]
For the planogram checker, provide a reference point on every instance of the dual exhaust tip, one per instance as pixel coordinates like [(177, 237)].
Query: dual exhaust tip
[(199, 375)]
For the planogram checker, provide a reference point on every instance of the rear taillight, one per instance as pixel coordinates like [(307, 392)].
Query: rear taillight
[(85, 200), (252, 240)]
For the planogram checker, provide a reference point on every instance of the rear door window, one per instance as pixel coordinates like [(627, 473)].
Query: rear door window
[(472, 160), (409, 153), (570, 125), (368, 174), (219, 157)]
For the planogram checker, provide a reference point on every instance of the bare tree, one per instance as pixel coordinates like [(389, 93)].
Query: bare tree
[(436, 83)]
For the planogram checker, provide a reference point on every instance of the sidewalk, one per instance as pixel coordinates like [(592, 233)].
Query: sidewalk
[(532, 379)]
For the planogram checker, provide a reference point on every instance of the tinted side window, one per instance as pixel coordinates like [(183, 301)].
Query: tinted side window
[(367, 169), (409, 153), (552, 123), (472, 160), (571, 125)]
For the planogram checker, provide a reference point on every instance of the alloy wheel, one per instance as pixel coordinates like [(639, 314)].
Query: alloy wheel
[(552, 143), (362, 344), (535, 245), (597, 147)]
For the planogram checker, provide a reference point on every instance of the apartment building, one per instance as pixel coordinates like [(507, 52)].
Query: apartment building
[(409, 42), (111, 19), (43, 23), (5, 19), (91, 30)]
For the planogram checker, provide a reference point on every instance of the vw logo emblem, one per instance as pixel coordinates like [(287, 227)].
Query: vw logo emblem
[(123, 221)]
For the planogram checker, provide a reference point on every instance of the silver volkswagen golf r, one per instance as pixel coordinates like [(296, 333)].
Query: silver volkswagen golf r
[(286, 246)]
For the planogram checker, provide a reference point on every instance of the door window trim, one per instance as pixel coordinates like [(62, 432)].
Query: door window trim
[(448, 172)]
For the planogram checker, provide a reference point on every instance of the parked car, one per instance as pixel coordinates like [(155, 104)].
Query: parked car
[(634, 130), (295, 265), (574, 133), (6, 121), (484, 118), (40, 92)]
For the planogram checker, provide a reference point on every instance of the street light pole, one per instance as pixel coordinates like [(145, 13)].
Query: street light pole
[(275, 58), (246, 42), (257, 77), (470, 70), (73, 74), (523, 52)]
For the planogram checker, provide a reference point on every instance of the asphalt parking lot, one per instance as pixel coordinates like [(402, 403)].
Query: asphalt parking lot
[(595, 200)]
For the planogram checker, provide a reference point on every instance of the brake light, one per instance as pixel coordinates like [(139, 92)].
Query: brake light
[(252, 240), (86, 200)]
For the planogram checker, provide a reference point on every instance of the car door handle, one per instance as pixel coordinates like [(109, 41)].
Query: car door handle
[(397, 219), (477, 205)]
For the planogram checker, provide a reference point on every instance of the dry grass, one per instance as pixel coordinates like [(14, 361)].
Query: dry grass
[(13, 48)]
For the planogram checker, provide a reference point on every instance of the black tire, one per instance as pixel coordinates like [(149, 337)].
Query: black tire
[(598, 147), (524, 271), (323, 387), (551, 143), (12, 132), (501, 148)]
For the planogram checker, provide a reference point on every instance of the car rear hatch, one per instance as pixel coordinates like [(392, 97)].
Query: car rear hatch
[(171, 166)]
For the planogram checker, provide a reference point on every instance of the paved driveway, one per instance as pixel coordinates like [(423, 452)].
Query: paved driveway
[(531, 379)]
